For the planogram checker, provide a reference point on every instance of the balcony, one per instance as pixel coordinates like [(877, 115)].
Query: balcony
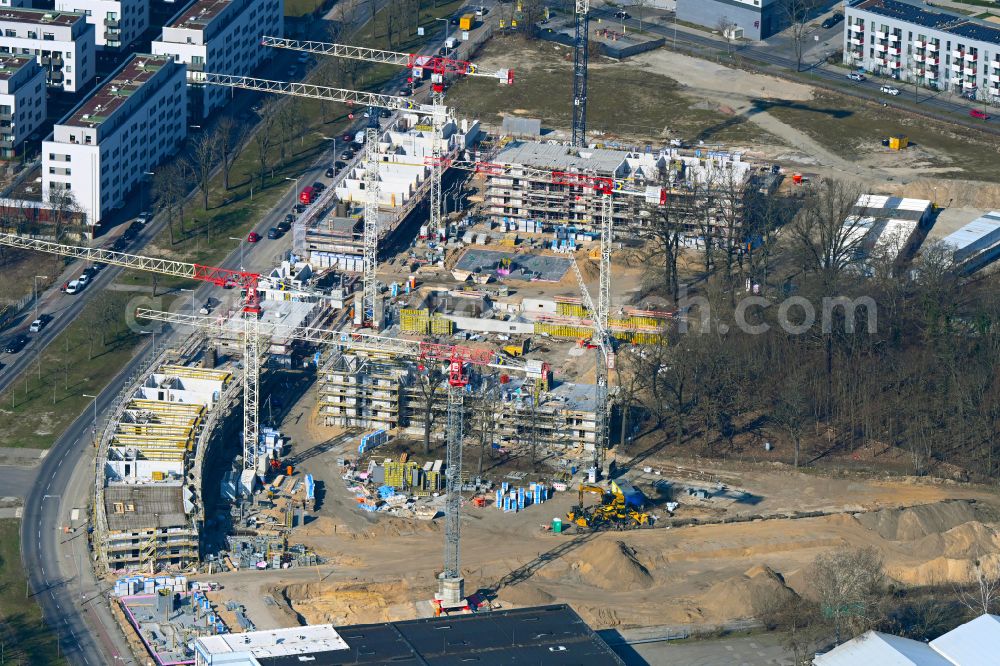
[(6, 143), (857, 27), (969, 85), (881, 35), (919, 44), (6, 115), (895, 64), (956, 67), (971, 57), (969, 71), (918, 57), (856, 42), (932, 61), (56, 76), (881, 47), (957, 55), (893, 37), (112, 36), (196, 67), (894, 51), (110, 23), (932, 46), (994, 78)]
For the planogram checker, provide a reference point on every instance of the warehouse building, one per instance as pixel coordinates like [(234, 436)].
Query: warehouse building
[(102, 148), (554, 635), (750, 19), (219, 36), (881, 227), (935, 47), (976, 244), (62, 42), (117, 23), (22, 101)]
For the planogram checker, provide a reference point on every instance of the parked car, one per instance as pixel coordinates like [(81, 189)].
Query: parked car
[(330, 172), (832, 20), (144, 217), (284, 227), (405, 92), (289, 218), (347, 155), (273, 233), (976, 113), (300, 208), (206, 307), (622, 14), (318, 185), (253, 237), (73, 287), (339, 165), (16, 343), (889, 90), (856, 76), (91, 271), (40, 323), (120, 245), (385, 113)]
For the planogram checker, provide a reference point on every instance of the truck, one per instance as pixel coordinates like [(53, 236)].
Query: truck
[(359, 137), (306, 195), (466, 22)]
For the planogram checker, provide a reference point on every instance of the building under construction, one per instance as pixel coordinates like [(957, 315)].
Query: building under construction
[(149, 510), (538, 193)]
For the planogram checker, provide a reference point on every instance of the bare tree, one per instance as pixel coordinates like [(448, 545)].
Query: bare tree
[(65, 209), (169, 191), (203, 158), (829, 229), (982, 595), (850, 585), (797, 14), (727, 28), (429, 385), (264, 138), (230, 136)]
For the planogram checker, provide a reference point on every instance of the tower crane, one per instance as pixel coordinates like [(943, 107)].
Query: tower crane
[(581, 46), (221, 277), (439, 68), (377, 100), (452, 586)]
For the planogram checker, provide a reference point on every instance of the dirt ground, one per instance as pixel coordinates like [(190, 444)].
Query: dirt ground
[(382, 568)]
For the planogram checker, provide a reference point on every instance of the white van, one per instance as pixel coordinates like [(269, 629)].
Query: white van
[(73, 287)]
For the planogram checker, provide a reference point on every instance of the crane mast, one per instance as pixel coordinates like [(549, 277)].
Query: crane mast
[(371, 227), (581, 46)]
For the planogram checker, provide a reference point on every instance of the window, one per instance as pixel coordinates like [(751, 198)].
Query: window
[(48, 37), (10, 33), (32, 34)]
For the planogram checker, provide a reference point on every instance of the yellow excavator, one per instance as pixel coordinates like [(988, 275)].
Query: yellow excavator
[(612, 509)]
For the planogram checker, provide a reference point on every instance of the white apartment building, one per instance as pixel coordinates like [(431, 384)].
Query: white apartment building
[(117, 23), (221, 36), (913, 41), (22, 101), (102, 148), (62, 42)]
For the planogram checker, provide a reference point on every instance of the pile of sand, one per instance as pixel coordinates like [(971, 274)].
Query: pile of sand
[(611, 565), (741, 596), (525, 594), (917, 522), (354, 603)]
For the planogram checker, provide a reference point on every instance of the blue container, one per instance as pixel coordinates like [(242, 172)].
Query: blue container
[(504, 486), (499, 499), (520, 498)]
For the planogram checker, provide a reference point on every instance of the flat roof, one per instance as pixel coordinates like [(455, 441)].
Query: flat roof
[(893, 208), (975, 643), (152, 505), (560, 157), (554, 635), (40, 16), (936, 18), (974, 231), (199, 15), (277, 643), (875, 647), (113, 94), (12, 64)]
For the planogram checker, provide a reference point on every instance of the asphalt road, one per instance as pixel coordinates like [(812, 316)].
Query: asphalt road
[(17, 480), (932, 104)]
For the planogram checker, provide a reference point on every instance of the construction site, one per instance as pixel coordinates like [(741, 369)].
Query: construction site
[(415, 411)]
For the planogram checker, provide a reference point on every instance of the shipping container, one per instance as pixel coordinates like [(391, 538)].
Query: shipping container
[(466, 22)]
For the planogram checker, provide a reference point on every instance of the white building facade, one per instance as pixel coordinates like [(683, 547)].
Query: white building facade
[(117, 23), (22, 101), (103, 148), (934, 47), (62, 42), (220, 36)]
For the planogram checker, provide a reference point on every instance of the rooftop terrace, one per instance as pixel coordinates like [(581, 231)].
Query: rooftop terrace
[(111, 96), (40, 16), (199, 15)]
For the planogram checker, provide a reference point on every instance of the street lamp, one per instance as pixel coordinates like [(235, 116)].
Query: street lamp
[(94, 397), (241, 249), (153, 333), (44, 277), (446, 26)]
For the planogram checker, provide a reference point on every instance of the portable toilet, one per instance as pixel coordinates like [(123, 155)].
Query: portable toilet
[(899, 142)]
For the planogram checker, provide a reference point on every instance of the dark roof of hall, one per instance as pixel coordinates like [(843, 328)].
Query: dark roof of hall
[(554, 635)]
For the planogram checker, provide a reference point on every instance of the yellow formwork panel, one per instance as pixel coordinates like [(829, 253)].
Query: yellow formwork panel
[(571, 310), (195, 373), (442, 326), (562, 330), (162, 406), (143, 429)]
